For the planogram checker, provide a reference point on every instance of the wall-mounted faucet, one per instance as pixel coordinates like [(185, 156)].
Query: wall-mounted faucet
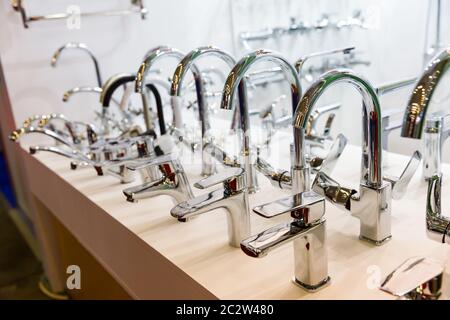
[(233, 197), (234, 85), (415, 121), (372, 204)]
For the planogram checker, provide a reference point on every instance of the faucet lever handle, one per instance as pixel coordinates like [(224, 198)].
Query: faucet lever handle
[(143, 163), (328, 163), (226, 176), (400, 184), (308, 207), (413, 274)]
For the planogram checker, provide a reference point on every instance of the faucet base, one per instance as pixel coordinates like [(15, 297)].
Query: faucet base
[(375, 242), (323, 284)]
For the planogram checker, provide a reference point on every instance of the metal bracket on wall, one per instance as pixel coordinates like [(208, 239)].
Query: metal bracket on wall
[(26, 19)]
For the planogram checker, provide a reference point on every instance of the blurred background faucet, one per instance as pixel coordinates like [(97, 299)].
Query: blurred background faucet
[(235, 83), (415, 120), (438, 226)]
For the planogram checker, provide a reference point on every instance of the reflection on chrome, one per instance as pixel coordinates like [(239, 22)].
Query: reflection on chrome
[(233, 197)]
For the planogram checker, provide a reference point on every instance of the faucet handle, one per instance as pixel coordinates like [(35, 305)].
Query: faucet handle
[(328, 163), (140, 164), (228, 176), (308, 207), (400, 184), (417, 278), (331, 189)]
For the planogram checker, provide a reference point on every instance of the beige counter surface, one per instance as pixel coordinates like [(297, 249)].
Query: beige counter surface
[(152, 255)]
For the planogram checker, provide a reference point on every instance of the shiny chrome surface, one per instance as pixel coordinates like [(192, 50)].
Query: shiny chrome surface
[(400, 184), (299, 64), (173, 181), (16, 134), (372, 203), (418, 278), (233, 197), (416, 110), (415, 121), (283, 179), (438, 226), (187, 63), (83, 47), (26, 19), (307, 232), (150, 59), (372, 206), (371, 171), (233, 85), (77, 90)]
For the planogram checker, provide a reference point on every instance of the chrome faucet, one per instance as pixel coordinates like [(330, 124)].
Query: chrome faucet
[(69, 93), (233, 197), (372, 204), (172, 182), (283, 179), (83, 47), (415, 121), (418, 278), (307, 231), (234, 84), (187, 63), (438, 226), (152, 56)]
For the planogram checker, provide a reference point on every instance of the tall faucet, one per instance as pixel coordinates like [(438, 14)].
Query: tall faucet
[(152, 56), (438, 226), (83, 47), (416, 122), (233, 197), (234, 83), (177, 83), (372, 204)]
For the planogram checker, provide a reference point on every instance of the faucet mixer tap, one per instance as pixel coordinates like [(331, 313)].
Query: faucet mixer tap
[(83, 47), (187, 63), (372, 204), (233, 197), (415, 117), (233, 85), (307, 231), (173, 181), (438, 226)]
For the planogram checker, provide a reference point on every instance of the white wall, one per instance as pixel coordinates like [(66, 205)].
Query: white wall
[(395, 48)]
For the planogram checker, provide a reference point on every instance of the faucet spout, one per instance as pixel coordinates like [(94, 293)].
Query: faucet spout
[(416, 111), (371, 162), (187, 63), (235, 83)]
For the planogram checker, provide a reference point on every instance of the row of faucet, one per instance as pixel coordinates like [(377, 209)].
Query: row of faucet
[(309, 178)]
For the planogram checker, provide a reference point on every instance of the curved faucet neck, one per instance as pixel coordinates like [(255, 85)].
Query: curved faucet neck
[(150, 59), (188, 63), (416, 110), (371, 163), (239, 71)]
